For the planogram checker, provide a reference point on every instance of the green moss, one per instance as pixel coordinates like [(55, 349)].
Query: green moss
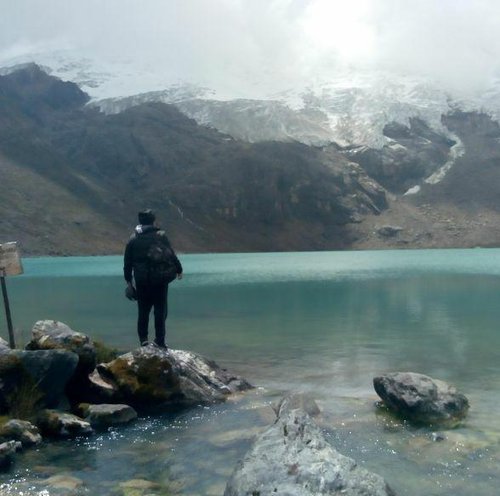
[(150, 381), (105, 353), (4, 419)]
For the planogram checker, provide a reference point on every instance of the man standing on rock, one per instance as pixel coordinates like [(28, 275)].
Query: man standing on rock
[(152, 262)]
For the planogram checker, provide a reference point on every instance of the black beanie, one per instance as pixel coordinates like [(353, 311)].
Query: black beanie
[(146, 217)]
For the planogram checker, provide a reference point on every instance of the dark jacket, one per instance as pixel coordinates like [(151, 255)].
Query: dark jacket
[(135, 260)]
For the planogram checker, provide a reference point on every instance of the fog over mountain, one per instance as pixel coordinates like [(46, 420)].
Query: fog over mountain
[(251, 49)]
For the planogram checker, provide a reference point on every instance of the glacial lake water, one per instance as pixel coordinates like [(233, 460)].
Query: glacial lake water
[(325, 323)]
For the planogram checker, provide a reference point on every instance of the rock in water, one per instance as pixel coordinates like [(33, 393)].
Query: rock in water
[(297, 400), (59, 424), (153, 377), (21, 430), (7, 452), (421, 399), (103, 415), (292, 457)]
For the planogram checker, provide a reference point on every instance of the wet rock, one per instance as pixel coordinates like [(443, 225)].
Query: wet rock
[(21, 430), (138, 487), (225, 439), (7, 453), (437, 437), (154, 377), (63, 481), (292, 457), (298, 400), (103, 415), (59, 424), (421, 399), (38, 376)]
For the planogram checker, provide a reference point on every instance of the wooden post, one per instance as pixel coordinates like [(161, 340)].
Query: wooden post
[(12, 342)]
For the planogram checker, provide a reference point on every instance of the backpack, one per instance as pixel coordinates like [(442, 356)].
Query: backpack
[(161, 268)]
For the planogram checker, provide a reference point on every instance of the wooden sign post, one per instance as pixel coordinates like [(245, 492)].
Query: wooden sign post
[(10, 265)]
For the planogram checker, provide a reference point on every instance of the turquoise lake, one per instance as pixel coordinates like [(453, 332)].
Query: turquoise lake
[(322, 322)]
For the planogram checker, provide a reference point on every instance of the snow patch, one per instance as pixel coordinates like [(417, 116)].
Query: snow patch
[(456, 151)]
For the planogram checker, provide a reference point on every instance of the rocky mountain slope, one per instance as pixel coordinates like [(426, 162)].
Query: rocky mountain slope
[(72, 177)]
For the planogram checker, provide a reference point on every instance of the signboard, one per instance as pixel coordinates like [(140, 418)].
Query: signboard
[(10, 260)]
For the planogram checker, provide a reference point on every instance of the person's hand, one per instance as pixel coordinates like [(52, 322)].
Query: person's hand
[(179, 276), (130, 292)]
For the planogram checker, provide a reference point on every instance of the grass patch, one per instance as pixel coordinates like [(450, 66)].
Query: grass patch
[(24, 401)]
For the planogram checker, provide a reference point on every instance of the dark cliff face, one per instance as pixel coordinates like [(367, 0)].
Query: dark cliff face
[(473, 183), (213, 192), (414, 153)]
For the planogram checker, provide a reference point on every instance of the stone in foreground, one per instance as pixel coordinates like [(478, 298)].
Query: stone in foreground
[(21, 430), (101, 416), (421, 399), (151, 377), (7, 453), (292, 457), (53, 423)]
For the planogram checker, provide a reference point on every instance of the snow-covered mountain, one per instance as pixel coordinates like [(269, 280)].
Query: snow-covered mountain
[(349, 108)]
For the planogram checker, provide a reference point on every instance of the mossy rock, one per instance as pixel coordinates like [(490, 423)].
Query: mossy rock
[(143, 377)]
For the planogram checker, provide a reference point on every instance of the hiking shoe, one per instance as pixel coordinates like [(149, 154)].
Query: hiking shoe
[(145, 343), (163, 346)]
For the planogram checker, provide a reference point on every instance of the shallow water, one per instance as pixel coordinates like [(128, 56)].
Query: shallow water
[(322, 322)]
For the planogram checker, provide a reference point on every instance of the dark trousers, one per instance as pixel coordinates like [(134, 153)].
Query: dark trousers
[(148, 297)]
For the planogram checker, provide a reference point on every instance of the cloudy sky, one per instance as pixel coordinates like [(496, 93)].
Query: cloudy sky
[(279, 43)]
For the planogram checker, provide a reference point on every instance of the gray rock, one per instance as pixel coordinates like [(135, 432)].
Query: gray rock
[(4, 345), (59, 424), (295, 401), (54, 335), (64, 482), (26, 374), (293, 458), (21, 430), (7, 453), (389, 231), (104, 415), (153, 377), (421, 399)]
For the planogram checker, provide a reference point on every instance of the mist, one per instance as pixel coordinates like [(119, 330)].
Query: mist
[(273, 44)]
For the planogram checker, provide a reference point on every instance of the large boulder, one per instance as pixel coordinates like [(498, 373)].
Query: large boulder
[(154, 377), (29, 377), (421, 399), (292, 457)]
